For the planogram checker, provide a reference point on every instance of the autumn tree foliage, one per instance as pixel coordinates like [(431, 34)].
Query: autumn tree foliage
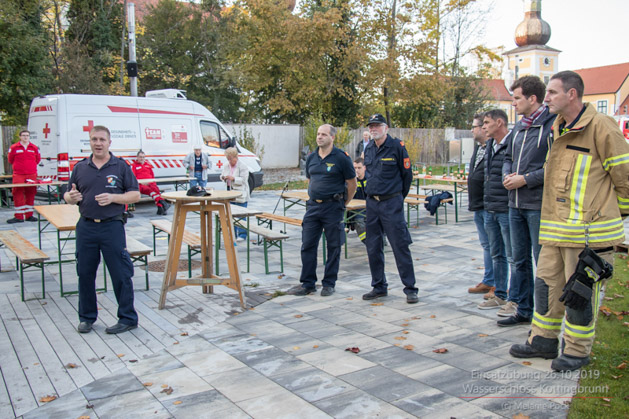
[(259, 60)]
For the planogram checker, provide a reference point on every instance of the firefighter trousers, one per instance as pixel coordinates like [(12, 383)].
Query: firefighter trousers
[(556, 266)]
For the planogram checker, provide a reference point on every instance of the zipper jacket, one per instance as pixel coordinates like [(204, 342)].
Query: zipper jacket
[(496, 197), (526, 156), (586, 184)]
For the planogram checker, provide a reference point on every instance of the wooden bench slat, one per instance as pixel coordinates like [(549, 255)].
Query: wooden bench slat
[(191, 239), (136, 248), (22, 248), (267, 233), (280, 218)]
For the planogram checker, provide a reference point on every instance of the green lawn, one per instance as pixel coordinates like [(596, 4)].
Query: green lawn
[(610, 354)]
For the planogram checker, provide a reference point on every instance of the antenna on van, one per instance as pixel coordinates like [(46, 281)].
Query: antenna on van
[(280, 198)]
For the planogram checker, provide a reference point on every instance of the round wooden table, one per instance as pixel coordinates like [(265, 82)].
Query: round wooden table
[(218, 201)]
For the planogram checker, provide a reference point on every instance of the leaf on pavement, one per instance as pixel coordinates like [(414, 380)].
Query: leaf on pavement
[(409, 347), (377, 304), (353, 349), (432, 316), (527, 363), (299, 316), (184, 334), (349, 298), (177, 402), (520, 416), (70, 365), (440, 351), (47, 399), (482, 335), (406, 332), (147, 384), (168, 390)]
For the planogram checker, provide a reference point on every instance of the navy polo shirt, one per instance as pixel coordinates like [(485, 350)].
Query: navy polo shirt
[(388, 168), (327, 176), (113, 177)]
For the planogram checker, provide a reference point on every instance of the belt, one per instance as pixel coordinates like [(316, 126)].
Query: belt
[(603, 250), (383, 197), (103, 220)]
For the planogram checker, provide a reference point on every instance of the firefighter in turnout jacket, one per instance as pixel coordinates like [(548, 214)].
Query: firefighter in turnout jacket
[(586, 192)]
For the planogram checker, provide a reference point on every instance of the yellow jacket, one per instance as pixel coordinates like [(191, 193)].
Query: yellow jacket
[(586, 184)]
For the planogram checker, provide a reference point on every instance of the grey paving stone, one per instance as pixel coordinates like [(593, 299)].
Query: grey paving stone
[(336, 361), (161, 361), (239, 344), (520, 404), (130, 405), (119, 382), (272, 361), (207, 404), (429, 402), (292, 407), (317, 328), (466, 359), (400, 360), (210, 361), (384, 383), (243, 384), (182, 381), (312, 384), (355, 339), (453, 381), (359, 405), (193, 344), (73, 402)]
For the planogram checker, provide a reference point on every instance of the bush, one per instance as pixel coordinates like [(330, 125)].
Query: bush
[(247, 140)]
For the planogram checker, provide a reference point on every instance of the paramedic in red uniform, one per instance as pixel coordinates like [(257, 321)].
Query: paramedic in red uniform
[(143, 170), (24, 157)]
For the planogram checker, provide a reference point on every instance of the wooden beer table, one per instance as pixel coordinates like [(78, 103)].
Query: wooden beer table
[(218, 201)]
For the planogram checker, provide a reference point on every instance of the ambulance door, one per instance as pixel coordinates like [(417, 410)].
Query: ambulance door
[(44, 130), (215, 141)]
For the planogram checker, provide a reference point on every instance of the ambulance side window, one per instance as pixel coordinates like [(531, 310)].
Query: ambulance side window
[(226, 141), (210, 134)]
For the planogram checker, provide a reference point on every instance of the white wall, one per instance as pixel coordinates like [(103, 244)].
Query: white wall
[(280, 142)]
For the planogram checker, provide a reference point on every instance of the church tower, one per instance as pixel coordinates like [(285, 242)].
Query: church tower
[(532, 56)]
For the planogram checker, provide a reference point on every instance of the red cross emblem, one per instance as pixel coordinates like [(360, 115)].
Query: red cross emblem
[(89, 126), (219, 164), (46, 130)]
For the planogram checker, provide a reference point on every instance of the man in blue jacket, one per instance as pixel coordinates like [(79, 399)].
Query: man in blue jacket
[(523, 174)]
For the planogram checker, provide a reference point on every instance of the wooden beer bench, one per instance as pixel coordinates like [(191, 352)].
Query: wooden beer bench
[(26, 256)]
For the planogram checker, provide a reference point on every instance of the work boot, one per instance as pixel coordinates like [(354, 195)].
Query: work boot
[(160, 210), (569, 363), (165, 204), (540, 348)]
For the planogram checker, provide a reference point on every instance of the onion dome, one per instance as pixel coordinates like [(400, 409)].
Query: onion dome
[(532, 30)]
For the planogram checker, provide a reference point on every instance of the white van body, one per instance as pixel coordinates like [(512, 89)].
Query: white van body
[(165, 129)]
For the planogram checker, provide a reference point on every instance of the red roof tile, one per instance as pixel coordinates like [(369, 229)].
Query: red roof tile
[(497, 89), (605, 79)]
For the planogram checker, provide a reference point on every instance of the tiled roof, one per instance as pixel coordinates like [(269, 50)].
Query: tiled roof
[(497, 89), (606, 79)]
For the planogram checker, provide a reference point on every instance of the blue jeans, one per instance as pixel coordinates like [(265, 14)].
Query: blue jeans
[(524, 226), (479, 219), (198, 180), (497, 228), (240, 232)]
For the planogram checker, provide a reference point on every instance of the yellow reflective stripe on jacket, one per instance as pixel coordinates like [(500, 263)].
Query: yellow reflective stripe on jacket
[(547, 323), (594, 238), (623, 203), (594, 226), (577, 190), (615, 161)]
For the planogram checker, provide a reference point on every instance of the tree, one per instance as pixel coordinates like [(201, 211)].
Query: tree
[(94, 25), (24, 63)]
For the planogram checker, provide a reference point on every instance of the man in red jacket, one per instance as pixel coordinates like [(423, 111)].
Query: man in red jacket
[(24, 157), (143, 170)]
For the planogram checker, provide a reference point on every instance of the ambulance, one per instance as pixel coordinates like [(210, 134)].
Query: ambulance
[(623, 123), (166, 128)]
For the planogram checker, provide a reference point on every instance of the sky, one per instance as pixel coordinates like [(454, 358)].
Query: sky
[(590, 33)]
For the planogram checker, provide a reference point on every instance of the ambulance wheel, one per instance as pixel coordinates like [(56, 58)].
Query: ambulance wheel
[(251, 184)]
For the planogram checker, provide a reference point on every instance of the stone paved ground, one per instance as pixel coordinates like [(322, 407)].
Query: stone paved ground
[(287, 357)]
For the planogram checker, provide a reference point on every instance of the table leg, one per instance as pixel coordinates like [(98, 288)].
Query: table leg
[(206, 247), (230, 251), (456, 206), (174, 250)]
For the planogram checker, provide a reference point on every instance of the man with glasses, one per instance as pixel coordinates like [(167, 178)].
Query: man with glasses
[(389, 178)]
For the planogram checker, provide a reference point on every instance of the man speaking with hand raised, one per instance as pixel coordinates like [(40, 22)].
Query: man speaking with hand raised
[(101, 185)]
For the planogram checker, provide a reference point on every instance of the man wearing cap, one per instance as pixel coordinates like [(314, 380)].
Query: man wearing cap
[(389, 178), (197, 164), (328, 169)]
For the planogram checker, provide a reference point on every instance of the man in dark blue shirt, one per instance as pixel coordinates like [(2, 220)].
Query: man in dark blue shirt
[(102, 185), (389, 178), (328, 169)]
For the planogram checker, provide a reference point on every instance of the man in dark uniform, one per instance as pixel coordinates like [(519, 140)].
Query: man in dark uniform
[(389, 177), (328, 169), (102, 185)]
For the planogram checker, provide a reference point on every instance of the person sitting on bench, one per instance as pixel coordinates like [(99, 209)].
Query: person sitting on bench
[(143, 170)]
